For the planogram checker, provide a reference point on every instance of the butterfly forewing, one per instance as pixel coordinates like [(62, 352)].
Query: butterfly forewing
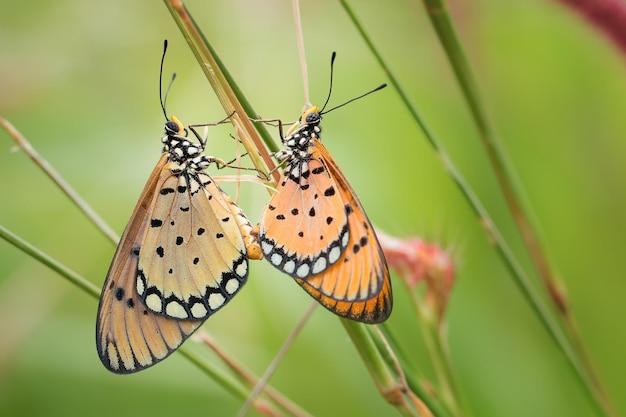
[(304, 229), (129, 337), (198, 258)]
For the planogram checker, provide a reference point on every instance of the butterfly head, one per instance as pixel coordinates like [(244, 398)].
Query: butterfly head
[(311, 116), (180, 149), (299, 136)]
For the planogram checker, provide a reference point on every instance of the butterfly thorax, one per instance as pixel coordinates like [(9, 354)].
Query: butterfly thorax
[(299, 141), (185, 154)]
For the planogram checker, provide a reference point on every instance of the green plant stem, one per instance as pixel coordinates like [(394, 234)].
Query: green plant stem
[(235, 388), (511, 189), (261, 382), (50, 262), (377, 367), (249, 378), (58, 180), (495, 238), (226, 90), (224, 380), (431, 401), (232, 98), (438, 353)]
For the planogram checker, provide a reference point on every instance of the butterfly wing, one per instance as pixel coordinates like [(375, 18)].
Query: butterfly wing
[(193, 258), (130, 337), (304, 228), (357, 286)]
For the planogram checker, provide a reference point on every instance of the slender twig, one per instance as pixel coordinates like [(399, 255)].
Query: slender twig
[(420, 405), (262, 382), (50, 262), (505, 175), (301, 54), (381, 374), (58, 180), (216, 374), (413, 378), (226, 90), (248, 378), (494, 236), (513, 192)]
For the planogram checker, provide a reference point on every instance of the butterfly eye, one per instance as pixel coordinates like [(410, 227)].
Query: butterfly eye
[(313, 118), (172, 127)]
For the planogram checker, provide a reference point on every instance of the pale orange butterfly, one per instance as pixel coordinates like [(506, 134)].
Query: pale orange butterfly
[(315, 229), (183, 255)]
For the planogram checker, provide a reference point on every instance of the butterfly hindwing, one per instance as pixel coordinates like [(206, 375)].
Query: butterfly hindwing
[(198, 259), (357, 286), (305, 227)]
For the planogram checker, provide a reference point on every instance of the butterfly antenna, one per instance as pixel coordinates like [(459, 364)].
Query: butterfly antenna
[(163, 99), (380, 87), (330, 88)]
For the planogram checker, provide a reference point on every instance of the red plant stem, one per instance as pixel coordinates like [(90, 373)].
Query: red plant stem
[(607, 16)]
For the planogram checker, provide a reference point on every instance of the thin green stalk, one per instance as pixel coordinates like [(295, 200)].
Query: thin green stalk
[(261, 382), (235, 388), (494, 236), (226, 90), (377, 367), (433, 402), (232, 98), (50, 262), (438, 355), (224, 380), (248, 378), (58, 180), (508, 182), (513, 192)]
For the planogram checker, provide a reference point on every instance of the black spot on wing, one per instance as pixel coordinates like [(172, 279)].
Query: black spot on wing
[(119, 293)]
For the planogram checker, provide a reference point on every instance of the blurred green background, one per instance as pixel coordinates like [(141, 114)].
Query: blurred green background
[(80, 80)]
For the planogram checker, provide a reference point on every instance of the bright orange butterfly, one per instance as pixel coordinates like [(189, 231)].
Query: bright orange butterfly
[(315, 229)]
